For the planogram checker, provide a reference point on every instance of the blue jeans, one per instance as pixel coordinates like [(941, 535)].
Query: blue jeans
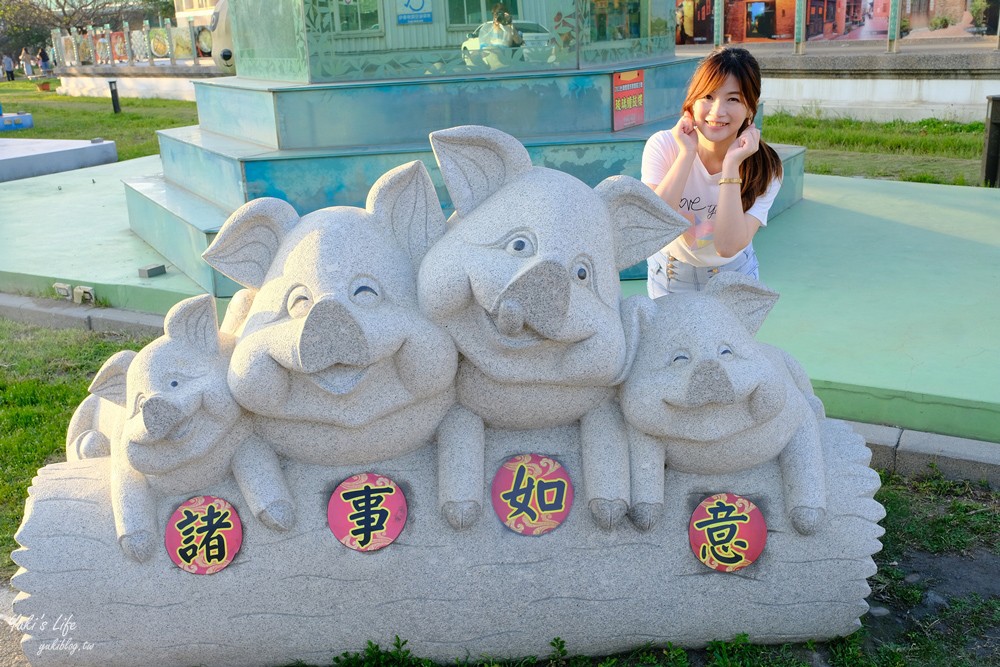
[(668, 274)]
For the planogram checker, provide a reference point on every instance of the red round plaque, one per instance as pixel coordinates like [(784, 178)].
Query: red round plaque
[(204, 535), (532, 494), (727, 532), (367, 512)]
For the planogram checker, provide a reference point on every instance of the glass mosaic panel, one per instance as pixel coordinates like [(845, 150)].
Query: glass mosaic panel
[(140, 49)]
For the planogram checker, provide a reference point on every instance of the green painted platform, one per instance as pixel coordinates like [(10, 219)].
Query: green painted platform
[(890, 291)]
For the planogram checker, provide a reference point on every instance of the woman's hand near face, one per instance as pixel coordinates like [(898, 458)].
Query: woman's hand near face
[(743, 146), (685, 134)]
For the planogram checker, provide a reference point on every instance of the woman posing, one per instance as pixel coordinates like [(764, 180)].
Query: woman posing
[(713, 168)]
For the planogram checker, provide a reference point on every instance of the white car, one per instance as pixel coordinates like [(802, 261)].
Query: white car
[(539, 44)]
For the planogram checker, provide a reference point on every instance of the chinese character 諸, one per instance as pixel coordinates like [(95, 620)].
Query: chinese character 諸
[(720, 530), (208, 525), (369, 516)]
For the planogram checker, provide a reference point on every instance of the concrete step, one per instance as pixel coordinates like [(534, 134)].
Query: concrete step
[(179, 225)]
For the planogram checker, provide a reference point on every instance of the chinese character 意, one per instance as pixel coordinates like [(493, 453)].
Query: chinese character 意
[(720, 530)]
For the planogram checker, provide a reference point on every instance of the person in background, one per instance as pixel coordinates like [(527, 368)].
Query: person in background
[(713, 169), (8, 67), (26, 62), (43, 61)]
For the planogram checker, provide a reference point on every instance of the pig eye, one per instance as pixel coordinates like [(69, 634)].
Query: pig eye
[(365, 291), (725, 351), (680, 358), (581, 272), (174, 383), (521, 246), (299, 301)]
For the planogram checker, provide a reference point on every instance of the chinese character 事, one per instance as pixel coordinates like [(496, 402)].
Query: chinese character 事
[(367, 512), (369, 516), (211, 526)]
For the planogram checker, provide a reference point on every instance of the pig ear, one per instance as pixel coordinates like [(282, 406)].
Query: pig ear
[(248, 241), (748, 298), (642, 222), (404, 201), (195, 322), (109, 383), (637, 312), (477, 161)]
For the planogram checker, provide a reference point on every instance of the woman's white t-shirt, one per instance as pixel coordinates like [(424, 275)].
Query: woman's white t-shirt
[(699, 198)]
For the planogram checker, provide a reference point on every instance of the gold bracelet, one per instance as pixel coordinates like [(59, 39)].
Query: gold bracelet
[(734, 181)]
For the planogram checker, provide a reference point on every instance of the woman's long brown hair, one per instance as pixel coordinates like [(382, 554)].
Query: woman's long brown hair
[(758, 170)]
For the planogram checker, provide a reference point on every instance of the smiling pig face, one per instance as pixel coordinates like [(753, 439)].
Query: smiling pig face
[(334, 352), (704, 397), (179, 411), (526, 279)]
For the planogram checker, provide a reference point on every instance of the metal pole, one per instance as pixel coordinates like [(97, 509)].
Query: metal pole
[(719, 11), (800, 26), (894, 7), (113, 84)]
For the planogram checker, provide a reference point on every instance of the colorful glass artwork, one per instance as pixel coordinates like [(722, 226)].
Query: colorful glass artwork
[(204, 535), (367, 512), (532, 494), (727, 532)]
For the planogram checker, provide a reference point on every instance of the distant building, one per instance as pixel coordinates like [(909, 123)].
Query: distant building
[(199, 10)]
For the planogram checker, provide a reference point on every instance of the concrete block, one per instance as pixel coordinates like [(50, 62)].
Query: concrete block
[(23, 158), (956, 458), (882, 441), (152, 270)]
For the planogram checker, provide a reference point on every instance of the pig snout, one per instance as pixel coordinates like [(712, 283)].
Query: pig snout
[(710, 383), (330, 335), (160, 417), (538, 298)]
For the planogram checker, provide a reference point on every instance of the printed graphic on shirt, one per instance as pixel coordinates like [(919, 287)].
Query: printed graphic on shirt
[(702, 231)]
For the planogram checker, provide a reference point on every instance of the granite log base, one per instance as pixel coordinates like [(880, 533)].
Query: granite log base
[(487, 591)]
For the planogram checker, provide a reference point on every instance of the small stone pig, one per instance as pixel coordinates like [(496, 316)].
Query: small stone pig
[(335, 362), (526, 281), (704, 397), (182, 426), (97, 421)]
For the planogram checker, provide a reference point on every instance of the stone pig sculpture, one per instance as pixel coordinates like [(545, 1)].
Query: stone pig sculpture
[(97, 421), (182, 425), (335, 362), (704, 397), (526, 282)]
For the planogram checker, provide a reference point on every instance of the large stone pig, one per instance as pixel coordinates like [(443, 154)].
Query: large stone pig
[(704, 397), (526, 281), (335, 361), (97, 421), (182, 426)]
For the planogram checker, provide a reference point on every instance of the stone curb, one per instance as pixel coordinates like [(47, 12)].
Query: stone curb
[(60, 314)]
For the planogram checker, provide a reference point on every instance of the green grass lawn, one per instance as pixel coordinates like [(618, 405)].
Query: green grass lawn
[(44, 374), (60, 117), (927, 151)]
